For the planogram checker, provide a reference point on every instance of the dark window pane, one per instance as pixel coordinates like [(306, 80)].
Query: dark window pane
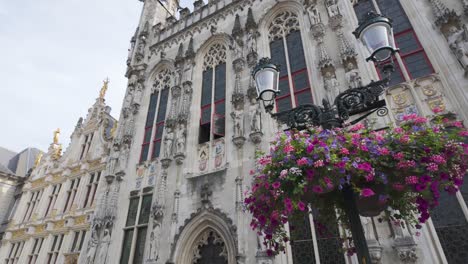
[(156, 148), (283, 86), (162, 105), (145, 209), (126, 247), (452, 228), (302, 244), (83, 235), (147, 135), (220, 108), (144, 152), (220, 82), (303, 98), (362, 8), (204, 133), (278, 56), (207, 82), (159, 131), (300, 80), (283, 104), (393, 9), (295, 51), (151, 109), (219, 125), (407, 42), (140, 245), (205, 115), (417, 65), (132, 211)]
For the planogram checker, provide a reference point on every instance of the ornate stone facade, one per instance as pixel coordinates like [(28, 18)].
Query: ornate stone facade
[(155, 210)]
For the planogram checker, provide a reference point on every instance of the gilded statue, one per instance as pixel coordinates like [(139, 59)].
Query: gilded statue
[(56, 135), (38, 159), (103, 91)]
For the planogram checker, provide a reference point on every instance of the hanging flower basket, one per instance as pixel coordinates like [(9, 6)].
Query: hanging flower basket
[(404, 168)]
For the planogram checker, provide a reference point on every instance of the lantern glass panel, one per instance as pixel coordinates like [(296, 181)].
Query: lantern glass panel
[(377, 39), (267, 83)]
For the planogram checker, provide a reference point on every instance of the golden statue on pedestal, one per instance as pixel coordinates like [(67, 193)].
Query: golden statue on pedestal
[(56, 135)]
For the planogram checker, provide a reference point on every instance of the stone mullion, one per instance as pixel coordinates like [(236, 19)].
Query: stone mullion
[(81, 191), (44, 202), (23, 207), (62, 197)]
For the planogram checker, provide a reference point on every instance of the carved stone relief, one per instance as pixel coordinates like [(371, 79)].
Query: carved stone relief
[(458, 43), (283, 24), (401, 102), (157, 214), (168, 142), (429, 90), (208, 238), (334, 13)]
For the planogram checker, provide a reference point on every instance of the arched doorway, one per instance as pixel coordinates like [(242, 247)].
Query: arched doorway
[(211, 249), (208, 237)]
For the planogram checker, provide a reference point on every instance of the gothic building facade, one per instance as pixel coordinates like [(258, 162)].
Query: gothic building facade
[(58, 197), (190, 125), (179, 164)]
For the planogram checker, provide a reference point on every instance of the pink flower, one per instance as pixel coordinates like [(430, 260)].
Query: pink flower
[(463, 133), (365, 166), (319, 163), (384, 151), (458, 124), (317, 189), (398, 130), (367, 192), (398, 186), (283, 174), (302, 161), (437, 110), (411, 180), (398, 156), (310, 148), (404, 139), (265, 160), (344, 151), (438, 159), (276, 185), (301, 206), (432, 167), (357, 127), (288, 148)]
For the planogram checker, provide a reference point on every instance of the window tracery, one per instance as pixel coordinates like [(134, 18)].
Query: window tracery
[(216, 55), (209, 248), (283, 24), (162, 80)]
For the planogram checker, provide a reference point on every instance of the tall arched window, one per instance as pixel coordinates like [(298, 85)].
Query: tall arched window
[(156, 109), (287, 51), (213, 99)]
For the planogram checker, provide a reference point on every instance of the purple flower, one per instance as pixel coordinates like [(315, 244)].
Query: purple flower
[(420, 187), (425, 179)]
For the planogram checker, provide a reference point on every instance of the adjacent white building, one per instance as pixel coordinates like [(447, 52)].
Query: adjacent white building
[(174, 180)]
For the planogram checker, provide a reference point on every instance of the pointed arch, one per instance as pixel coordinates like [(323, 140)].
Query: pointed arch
[(195, 232)]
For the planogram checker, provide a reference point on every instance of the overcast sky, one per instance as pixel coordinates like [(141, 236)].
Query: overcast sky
[(54, 55)]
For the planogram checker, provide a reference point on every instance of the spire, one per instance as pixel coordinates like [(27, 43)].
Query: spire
[(103, 91), (190, 53), (442, 14), (347, 51), (180, 53), (237, 29), (250, 24)]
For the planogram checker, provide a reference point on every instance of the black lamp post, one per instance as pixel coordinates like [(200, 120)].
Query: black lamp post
[(376, 34)]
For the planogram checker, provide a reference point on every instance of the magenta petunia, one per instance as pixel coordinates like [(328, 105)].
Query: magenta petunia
[(367, 192), (276, 185), (317, 189), (301, 206)]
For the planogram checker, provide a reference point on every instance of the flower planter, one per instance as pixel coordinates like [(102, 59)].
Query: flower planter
[(372, 206)]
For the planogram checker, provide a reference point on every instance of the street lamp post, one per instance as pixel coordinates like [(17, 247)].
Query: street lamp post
[(376, 33)]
